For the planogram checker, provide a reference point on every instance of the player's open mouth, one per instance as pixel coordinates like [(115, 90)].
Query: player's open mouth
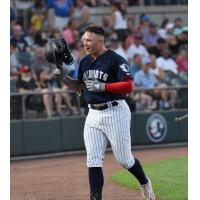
[(87, 48)]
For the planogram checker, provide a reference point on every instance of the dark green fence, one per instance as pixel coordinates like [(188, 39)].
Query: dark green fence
[(41, 136)]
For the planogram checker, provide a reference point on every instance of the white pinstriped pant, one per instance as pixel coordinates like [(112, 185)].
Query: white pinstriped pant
[(111, 124)]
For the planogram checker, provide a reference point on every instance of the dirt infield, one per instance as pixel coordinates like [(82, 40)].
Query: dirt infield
[(65, 178)]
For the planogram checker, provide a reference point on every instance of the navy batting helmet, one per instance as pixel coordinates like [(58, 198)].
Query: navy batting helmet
[(57, 51)]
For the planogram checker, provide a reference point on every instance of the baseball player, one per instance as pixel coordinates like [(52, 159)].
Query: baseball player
[(104, 78)]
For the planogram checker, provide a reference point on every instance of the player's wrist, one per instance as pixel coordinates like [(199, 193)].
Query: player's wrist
[(102, 87)]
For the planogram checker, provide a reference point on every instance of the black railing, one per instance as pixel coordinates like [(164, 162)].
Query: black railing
[(19, 109)]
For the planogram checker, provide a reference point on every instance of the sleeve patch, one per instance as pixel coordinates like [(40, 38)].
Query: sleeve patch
[(124, 67)]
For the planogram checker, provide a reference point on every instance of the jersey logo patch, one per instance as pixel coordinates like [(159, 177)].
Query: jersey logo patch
[(124, 67)]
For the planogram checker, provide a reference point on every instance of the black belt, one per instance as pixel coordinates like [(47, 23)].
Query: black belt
[(103, 106)]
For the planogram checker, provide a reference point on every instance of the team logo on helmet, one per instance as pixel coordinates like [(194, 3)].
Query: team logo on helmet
[(156, 127), (124, 67)]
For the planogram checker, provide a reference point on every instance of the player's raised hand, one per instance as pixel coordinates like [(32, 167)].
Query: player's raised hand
[(60, 72), (75, 85), (95, 86), (57, 52)]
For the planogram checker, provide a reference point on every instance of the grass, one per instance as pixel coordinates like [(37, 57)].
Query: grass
[(169, 178)]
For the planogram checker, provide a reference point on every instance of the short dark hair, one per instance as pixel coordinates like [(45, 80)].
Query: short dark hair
[(95, 29), (178, 19), (161, 40), (136, 55)]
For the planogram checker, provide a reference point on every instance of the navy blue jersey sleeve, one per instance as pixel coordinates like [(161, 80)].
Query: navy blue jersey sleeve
[(123, 69)]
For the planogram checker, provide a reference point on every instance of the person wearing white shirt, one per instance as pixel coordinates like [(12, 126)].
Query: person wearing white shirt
[(137, 48), (119, 49), (166, 63), (119, 19)]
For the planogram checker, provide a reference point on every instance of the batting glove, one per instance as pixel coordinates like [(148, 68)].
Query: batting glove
[(72, 84), (95, 86), (60, 73)]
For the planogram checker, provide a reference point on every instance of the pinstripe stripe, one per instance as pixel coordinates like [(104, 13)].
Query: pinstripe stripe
[(112, 124)]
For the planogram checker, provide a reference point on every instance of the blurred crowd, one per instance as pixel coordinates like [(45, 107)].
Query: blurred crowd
[(157, 53)]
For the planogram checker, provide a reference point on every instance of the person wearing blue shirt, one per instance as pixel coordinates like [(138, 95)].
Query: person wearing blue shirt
[(137, 64), (61, 9), (147, 79)]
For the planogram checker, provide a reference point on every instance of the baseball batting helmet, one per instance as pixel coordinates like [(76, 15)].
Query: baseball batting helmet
[(57, 51)]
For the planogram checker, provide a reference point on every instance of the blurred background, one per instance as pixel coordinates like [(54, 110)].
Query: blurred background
[(151, 34)]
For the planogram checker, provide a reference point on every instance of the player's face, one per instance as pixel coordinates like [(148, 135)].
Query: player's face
[(92, 43)]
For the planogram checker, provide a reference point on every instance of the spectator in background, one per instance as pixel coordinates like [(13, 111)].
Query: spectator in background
[(55, 33), (40, 63), (137, 48), (61, 9), (62, 96), (14, 63), (134, 2), (19, 46), (165, 69), (143, 25), (17, 39), (182, 61), (119, 49), (119, 19), (167, 32), (173, 44), (47, 32), (178, 25), (137, 64), (39, 4), (121, 46), (104, 2), (81, 14), (26, 84), (159, 73), (160, 45), (37, 19), (69, 32), (34, 38), (112, 42), (162, 29), (147, 79), (77, 36), (106, 25), (166, 29), (151, 37), (78, 53), (130, 25), (43, 81), (13, 13), (166, 63), (143, 101), (182, 38), (91, 3)]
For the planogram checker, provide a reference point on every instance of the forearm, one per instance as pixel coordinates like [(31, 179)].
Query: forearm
[(122, 87)]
